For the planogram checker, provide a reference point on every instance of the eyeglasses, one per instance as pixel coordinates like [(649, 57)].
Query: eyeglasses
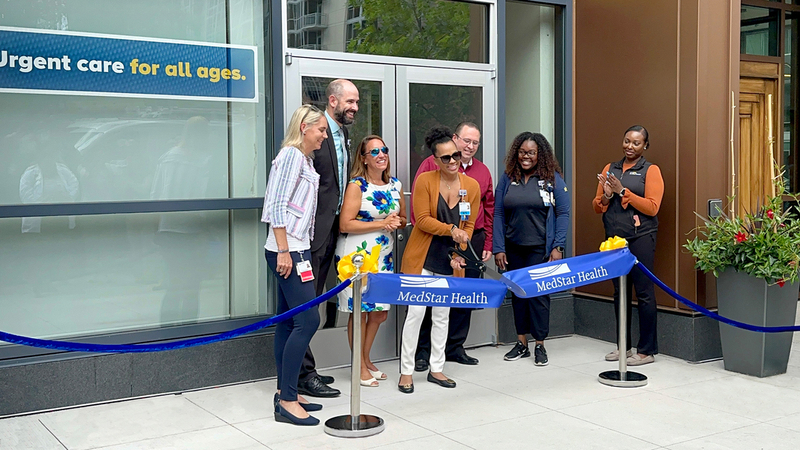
[(447, 158), (375, 151), (529, 154), (309, 109), (470, 141)]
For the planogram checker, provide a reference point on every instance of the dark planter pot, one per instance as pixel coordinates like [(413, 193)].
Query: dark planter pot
[(751, 300)]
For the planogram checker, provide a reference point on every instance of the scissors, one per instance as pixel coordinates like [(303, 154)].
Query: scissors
[(472, 261)]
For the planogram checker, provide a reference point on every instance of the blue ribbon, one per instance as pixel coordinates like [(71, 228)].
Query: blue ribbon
[(713, 315), (144, 348)]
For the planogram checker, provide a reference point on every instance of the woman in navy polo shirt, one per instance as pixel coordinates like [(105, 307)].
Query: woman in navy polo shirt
[(531, 216)]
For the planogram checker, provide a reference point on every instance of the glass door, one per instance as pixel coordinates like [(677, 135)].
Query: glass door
[(399, 103), (306, 81), (429, 97)]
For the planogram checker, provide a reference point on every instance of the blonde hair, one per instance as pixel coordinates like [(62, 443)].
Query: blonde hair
[(307, 114), (359, 169)]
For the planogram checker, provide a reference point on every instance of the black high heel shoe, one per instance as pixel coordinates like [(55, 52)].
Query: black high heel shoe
[(282, 415), (309, 407)]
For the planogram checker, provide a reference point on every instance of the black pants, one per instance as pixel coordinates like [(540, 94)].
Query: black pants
[(644, 249), (531, 315), (292, 335), (460, 318), (321, 264)]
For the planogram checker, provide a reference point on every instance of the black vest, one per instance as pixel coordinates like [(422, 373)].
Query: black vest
[(619, 221)]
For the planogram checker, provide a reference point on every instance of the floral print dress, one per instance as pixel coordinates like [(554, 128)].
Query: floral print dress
[(377, 202)]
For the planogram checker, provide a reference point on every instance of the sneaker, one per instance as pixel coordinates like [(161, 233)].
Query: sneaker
[(519, 351), (540, 355), (614, 356)]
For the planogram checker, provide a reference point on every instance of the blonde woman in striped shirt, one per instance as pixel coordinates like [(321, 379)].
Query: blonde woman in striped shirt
[(289, 207)]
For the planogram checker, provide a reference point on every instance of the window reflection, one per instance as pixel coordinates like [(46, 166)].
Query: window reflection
[(427, 29), (760, 31)]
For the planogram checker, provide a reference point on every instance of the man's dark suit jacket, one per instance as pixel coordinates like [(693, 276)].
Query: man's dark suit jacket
[(327, 166)]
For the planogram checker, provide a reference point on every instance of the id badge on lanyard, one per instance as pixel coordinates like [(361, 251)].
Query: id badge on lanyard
[(463, 205), (304, 270), (543, 192)]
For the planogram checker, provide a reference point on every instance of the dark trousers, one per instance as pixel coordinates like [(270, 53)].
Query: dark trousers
[(531, 315), (644, 249), (321, 264), (460, 318), (292, 335)]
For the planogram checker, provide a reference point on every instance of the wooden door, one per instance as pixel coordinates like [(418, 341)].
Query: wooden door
[(754, 175)]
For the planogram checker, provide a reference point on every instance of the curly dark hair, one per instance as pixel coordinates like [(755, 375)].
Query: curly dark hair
[(436, 136), (546, 164)]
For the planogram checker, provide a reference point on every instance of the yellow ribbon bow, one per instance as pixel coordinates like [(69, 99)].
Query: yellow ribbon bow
[(613, 243), (347, 269)]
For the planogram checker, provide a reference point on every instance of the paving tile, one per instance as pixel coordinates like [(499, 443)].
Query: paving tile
[(223, 438), (741, 395), (789, 422), (556, 388), (26, 433), (129, 421), (465, 406), (276, 435), (759, 436), (665, 373), (435, 442), (657, 418), (548, 430)]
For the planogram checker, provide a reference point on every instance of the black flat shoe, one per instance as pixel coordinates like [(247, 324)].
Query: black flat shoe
[(464, 359), (406, 388), (327, 379), (420, 365), (282, 415), (448, 383), (309, 407), (314, 387)]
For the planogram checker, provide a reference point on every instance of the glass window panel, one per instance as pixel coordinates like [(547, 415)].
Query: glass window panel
[(760, 31), (427, 29), (791, 89), (368, 118), (114, 149), (434, 105)]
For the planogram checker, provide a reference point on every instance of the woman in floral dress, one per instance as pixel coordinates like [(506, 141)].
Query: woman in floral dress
[(372, 209)]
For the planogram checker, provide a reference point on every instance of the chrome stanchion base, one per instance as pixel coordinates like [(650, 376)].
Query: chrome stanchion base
[(343, 426), (615, 378)]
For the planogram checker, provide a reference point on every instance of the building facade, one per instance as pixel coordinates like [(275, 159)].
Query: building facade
[(135, 219)]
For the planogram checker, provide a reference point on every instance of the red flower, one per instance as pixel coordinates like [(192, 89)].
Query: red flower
[(741, 237), (781, 282), (770, 214)]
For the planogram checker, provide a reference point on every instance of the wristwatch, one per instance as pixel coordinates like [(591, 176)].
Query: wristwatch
[(560, 250), (622, 191)]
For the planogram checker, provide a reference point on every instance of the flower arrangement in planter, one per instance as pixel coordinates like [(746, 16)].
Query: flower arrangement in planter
[(755, 258), (764, 244)]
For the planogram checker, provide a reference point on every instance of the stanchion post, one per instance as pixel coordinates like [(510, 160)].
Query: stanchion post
[(621, 377), (355, 424)]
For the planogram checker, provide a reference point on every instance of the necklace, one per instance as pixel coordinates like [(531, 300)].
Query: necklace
[(447, 184)]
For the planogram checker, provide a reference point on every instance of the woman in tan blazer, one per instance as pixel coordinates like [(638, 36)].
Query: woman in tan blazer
[(439, 198)]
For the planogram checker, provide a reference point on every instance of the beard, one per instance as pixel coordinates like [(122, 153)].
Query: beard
[(341, 116)]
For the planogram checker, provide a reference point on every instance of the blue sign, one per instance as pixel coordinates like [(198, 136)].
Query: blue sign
[(58, 62), (423, 290), (569, 273)]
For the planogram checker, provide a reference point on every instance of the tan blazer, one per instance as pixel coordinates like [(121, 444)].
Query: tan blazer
[(426, 198)]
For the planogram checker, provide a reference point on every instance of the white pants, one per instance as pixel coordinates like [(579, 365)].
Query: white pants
[(440, 318)]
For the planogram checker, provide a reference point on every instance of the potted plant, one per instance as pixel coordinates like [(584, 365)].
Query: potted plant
[(755, 258)]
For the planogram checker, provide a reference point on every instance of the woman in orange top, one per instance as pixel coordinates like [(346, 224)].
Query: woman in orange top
[(439, 197), (628, 195)]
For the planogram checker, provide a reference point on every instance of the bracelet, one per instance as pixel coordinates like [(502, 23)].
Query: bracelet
[(283, 251), (453, 228), (608, 197)]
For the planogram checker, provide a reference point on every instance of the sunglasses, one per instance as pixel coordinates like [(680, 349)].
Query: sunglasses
[(447, 158), (375, 151)]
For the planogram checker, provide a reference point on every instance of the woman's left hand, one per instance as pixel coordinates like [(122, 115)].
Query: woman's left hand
[(457, 262), (555, 255)]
